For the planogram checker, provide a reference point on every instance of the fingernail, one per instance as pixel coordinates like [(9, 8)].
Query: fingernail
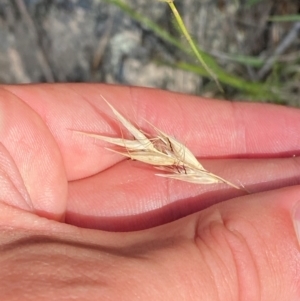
[(296, 220)]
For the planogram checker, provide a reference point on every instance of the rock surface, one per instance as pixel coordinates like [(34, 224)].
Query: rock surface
[(93, 40)]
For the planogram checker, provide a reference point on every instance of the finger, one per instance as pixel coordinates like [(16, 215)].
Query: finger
[(130, 197), (210, 128), (242, 249), (32, 172), (254, 239)]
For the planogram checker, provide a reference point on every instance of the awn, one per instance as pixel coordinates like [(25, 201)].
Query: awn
[(162, 151)]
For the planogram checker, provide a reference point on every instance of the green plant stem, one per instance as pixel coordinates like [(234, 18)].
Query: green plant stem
[(191, 42), (287, 18), (256, 89), (261, 90)]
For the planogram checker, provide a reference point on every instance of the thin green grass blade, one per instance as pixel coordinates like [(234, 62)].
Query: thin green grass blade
[(191, 42), (263, 91), (256, 89), (287, 18), (245, 60)]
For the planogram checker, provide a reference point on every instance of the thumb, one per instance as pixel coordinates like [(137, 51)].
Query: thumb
[(32, 174), (250, 246)]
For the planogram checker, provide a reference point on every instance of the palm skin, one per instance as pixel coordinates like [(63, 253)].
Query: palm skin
[(63, 193)]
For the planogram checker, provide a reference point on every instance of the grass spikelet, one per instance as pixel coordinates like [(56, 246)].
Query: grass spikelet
[(162, 151)]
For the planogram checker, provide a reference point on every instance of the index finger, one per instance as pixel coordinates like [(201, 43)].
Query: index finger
[(209, 128)]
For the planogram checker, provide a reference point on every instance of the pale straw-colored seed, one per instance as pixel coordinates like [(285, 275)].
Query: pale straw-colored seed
[(162, 151)]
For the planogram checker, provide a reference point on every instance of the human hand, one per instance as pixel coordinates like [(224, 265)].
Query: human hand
[(243, 248)]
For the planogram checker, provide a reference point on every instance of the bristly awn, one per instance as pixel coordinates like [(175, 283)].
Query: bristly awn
[(162, 151)]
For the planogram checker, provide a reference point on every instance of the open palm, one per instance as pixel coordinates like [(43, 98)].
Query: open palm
[(48, 170)]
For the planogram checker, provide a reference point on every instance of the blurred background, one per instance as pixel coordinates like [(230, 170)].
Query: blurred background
[(253, 46)]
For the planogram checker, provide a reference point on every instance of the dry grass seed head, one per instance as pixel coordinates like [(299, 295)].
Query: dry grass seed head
[(162, 151)]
